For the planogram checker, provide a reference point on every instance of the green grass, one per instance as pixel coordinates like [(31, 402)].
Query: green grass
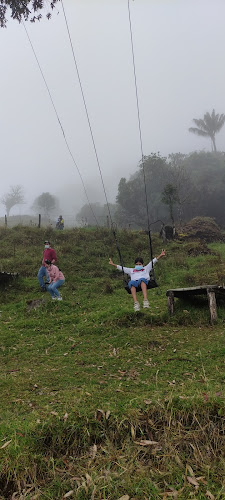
[(84, 381)]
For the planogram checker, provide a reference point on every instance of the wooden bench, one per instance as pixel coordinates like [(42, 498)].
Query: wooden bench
[(6, 278), (211, 291)]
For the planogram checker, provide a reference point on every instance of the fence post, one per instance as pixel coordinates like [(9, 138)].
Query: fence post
[(5, 220), (39, 220)]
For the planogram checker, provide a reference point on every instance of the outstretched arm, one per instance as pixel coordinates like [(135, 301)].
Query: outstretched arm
[(153, 262), (112, 263), (126, 270), (163, 253)]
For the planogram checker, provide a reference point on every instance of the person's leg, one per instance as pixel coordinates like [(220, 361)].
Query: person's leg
[(49, 289), (134, 293), (46, 276), (41, 273), (144, 290), (55, 287)]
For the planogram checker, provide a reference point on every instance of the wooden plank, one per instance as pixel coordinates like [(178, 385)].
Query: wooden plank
[(199, 290), (194, 288), (4, 274)]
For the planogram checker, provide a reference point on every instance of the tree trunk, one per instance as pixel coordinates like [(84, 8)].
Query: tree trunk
[(171, 213), (214, 143), (180, 214)]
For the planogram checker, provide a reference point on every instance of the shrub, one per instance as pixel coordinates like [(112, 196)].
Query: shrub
[(203, 228)]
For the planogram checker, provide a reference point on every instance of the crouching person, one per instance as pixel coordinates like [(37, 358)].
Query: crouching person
[(49, 254), (56, 279)]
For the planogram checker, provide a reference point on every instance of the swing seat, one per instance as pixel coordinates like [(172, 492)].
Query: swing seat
[(151, 284)]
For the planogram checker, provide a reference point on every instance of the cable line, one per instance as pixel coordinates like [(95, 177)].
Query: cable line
[(60, 123), (86, 111), (139, 125)]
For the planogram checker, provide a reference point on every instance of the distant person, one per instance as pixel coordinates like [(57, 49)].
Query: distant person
[(60, 223), (139, 277), (56, 279), (49, 254)]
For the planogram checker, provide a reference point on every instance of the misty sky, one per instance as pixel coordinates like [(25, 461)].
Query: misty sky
[(179, 50)]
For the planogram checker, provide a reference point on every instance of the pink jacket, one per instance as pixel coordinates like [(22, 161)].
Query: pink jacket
[(55, 274)]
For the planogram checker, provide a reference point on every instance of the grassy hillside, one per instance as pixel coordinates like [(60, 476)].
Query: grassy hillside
[(99, 402)]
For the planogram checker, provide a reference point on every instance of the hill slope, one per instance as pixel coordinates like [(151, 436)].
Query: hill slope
[(99, 401)]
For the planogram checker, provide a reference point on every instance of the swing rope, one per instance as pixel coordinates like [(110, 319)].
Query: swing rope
[(93, 139), (152, 282), (140, 132), (86, 111), (59, 122)]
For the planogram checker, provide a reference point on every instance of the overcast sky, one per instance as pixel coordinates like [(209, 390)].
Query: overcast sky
[(179, 50)]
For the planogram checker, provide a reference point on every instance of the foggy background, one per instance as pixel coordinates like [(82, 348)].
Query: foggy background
[(179, 51)]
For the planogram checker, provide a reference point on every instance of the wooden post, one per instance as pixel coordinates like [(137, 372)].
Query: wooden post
[(212, 305), (39, 220), (5, 220), (171, 303)]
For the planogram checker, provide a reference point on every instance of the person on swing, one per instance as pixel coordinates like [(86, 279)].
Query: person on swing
[(139, 277)]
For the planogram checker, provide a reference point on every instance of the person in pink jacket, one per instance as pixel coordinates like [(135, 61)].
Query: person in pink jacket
[(56, 279), (50, 255)]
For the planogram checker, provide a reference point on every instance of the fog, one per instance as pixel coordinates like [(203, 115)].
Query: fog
[(179, 52)]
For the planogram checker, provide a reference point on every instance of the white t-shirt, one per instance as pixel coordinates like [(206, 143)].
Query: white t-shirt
[(136, 275)]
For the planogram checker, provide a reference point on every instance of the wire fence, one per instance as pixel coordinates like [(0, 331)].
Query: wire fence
[(70, 221)]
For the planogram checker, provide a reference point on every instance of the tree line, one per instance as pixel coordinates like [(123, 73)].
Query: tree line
[(179, 187), (44, 203)]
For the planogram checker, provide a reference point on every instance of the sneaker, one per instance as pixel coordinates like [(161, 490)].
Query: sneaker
[(136, 306), (43, 289), (59, 298), (146, 304), (53, 298)]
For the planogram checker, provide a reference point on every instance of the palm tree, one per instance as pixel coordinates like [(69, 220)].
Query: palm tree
[(209, 126), (170, 198)]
